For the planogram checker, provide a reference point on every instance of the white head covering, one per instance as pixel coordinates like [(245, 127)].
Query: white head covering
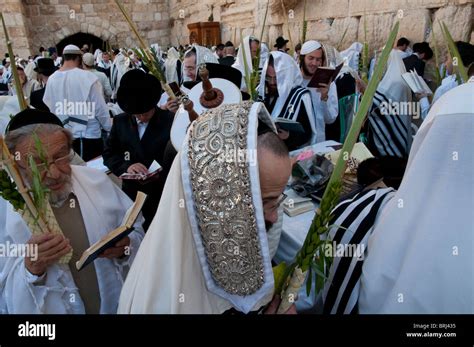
[(392, 84), (98, 55), (264, 52), (88, 59), (239, 61), (170, 65), (309, 46), (203, 55), (288, 76), (184, 269), (420, 256), (72, 49), (351, 55)]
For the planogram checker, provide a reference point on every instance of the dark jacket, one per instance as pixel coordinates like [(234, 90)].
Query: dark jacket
[(36, 100), (413, 62), (124, 148), (228, 60)]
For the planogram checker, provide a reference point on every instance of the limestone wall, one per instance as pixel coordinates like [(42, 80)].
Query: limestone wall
[(35, 23), (327, 19)]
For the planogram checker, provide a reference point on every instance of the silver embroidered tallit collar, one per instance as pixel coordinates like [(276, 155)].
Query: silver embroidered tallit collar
[(223, 199)]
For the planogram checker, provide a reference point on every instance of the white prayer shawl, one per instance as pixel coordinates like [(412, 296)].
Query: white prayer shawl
[(29, 87), (104, 65), (118, 68), (448, 83), (264, 54), (203, 55), (404, 54), (97, 55), (8, 106), (7, 75), (420, 257), (288, 76), (103, 206), (170, 66), (167, 275), (391, 131), (325, 112), (30, 72), (239, 61), (352, 54)]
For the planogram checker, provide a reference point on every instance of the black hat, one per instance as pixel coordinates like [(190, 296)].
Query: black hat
[(280, 42), (139, 92), (45, 66), (31, 116), (225, 72)]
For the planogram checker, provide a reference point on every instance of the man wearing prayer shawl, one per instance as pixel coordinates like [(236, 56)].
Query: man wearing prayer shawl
[(426, 244), (76, 97), (87, 205), (325, 101), (208, 249), (173, 69), (119, 67), (389, 123), (284, 97), (417, 240), (249, 46), (193, 58)]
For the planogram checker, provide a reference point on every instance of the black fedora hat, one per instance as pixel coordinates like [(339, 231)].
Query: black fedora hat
[(280, 42), (32, 116), (225, 72), (45, 66), (139, 92)]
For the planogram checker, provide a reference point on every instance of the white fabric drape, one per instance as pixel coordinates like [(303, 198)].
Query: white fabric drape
[(103, 206), (420, 256)]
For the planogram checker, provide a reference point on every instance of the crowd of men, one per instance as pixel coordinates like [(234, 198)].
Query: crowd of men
[(211, 227)]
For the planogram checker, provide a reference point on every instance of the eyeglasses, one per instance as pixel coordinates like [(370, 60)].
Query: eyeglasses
[(44, 167), (274, 206)]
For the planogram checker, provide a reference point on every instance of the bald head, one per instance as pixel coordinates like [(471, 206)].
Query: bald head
[(274, 169)]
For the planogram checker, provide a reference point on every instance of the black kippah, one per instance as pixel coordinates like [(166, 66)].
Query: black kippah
[(32, 116)]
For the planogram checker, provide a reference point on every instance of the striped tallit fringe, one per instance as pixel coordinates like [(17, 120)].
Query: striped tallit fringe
[(354, 221), (388, 134), (292, 103)]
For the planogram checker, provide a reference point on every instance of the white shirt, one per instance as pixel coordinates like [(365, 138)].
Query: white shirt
[(141, 128), (74, 88), (104, 81), (325, 112)]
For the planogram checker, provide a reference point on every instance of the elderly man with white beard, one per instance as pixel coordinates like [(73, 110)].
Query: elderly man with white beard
[(87, 205)]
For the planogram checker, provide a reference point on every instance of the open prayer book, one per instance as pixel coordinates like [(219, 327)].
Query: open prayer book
[(289, 125), (324, 75), (109, 240), (416, 83), (153, 172)]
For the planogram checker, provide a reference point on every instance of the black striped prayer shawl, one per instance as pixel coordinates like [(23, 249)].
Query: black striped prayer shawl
[(388, 133), (353, 225)]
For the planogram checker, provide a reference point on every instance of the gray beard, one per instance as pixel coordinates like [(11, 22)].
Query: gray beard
[(58, 199)]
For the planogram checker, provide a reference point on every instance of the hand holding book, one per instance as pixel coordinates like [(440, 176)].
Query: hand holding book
[(324, 76), (113, 244), (141, 174), (117, 250)]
